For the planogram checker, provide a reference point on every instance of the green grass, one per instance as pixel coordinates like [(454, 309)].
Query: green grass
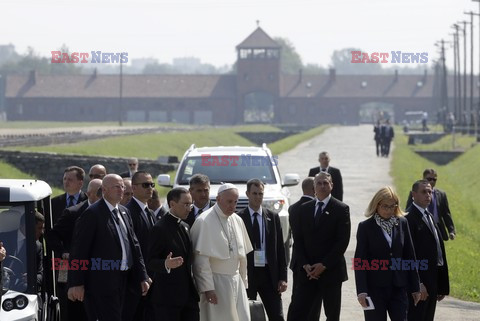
[(450, 142), (290, 142), (9, 171), (460, 180)]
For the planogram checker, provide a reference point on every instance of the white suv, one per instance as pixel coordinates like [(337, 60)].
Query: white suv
[(238, 164)]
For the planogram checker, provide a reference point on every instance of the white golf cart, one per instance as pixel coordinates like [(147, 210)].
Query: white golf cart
[(24, 297)]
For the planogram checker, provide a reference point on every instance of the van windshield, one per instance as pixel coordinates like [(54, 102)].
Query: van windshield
[(229, 168), (12, 235)]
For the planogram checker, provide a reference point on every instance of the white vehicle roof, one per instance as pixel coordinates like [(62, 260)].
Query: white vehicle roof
[(23, 190), (228, 150)]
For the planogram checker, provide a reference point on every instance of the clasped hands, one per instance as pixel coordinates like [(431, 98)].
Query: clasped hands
[(314, 271)]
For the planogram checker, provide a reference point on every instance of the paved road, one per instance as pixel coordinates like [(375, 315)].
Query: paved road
[(352, 149)]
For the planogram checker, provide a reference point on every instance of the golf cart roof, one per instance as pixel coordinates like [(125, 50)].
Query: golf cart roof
[(23, 190)]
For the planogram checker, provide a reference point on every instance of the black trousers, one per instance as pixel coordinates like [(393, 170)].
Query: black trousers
[(388, 299), (262, 285), (107, 306), (308, 299), (425, 310), (134, 309)]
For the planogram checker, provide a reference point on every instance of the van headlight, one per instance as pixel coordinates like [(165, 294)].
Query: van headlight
[(274, 205), (19, 302)]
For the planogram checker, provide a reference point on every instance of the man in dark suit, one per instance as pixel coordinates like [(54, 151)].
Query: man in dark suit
[(428, 244), (320, 244), (173, 296), (200, 191), (104, 236), (132, 168), (294, 216), (386, 135), (143, 221), (154, 204), (73, 177), (60, 240), (438, 207), (324, 159), (3, 255), (267, 264)]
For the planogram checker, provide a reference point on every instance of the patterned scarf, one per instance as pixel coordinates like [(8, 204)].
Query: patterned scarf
[(386, 225)]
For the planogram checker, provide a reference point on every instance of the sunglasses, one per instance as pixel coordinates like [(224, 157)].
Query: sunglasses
[(431, 179), (146, 185)]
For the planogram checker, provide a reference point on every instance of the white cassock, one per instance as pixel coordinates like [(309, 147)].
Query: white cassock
[(221, 244)]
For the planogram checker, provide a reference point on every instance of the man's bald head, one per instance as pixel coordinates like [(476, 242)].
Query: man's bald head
[(308, 186), (92, 190), (97, 171)]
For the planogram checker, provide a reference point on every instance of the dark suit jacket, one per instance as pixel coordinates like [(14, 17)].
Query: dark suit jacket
[(372, 245), (274, 246), (96, 236), (191, 216), (60, 237), (125, 174), (337, 181), (140, 226), (434, 278), (326, 242), (161, 212), (59, 203), (177, 287), (293, 218), (445, 221)]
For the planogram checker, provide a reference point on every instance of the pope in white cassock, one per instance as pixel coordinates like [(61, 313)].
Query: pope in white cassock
[(221, 243)]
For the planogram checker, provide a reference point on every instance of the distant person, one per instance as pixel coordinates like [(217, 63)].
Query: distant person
[(132, 167), (39, 230), (337, 181), (156, 206), (97, 171), (424, 121), (128, 194), (385, 235), (429, 247), (377, 137), (438, 207), (386, 133), (267, 264), (200, 191), (173, 296)]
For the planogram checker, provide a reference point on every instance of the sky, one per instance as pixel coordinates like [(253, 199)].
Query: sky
[(210, 29)]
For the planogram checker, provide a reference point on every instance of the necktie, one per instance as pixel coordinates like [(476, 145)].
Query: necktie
[(71, 200), (318, 213), (123, 238), (256, 232), (149, 217), (435, 235), (200, 211)]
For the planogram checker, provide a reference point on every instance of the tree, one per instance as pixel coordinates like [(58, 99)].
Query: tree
[(291, 62), (342, 62)]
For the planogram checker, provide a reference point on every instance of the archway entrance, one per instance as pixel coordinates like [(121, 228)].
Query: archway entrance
[(371, 112), (258, 108)]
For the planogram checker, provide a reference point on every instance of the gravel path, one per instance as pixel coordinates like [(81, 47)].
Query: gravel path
[(352, 149)]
